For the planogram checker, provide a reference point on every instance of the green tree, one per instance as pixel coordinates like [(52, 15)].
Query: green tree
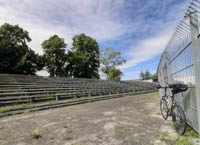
[(54, 56), (142, 75), (83, 58), (114, 74), (110, 59), (155, 77), (147, 75), (15, 55), (30, 63)]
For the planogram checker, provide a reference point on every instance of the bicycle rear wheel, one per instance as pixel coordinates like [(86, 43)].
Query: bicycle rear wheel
[(178, 119), (164, 108)]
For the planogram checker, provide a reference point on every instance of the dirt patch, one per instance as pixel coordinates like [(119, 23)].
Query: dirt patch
[(131, 120)]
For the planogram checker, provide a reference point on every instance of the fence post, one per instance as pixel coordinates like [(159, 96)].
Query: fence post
[(194, 27)]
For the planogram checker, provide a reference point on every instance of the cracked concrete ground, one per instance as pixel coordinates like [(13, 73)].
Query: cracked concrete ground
[(131, 120)]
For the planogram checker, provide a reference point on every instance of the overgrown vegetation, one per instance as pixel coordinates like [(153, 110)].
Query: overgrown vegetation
[(6, 108), (183, 140), (180, 140), (164, 137), (3, 109)]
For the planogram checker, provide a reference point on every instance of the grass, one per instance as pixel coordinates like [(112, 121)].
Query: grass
[(124, 130), (190, 132), (171, 124), (183, 140), (164, 137), (35, 134), (48, 97), (75, 98), (24, 105), (152, 97), (69, 131), (31, 111), (1, 115), (145, 112), (137, 142), (180, 140), (3, 109), (6, 108)]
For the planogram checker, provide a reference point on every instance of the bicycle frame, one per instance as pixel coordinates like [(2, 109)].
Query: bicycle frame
[(166, 97)]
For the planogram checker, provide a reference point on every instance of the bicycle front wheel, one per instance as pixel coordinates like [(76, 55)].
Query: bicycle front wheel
[(164, 108), (178, 119)]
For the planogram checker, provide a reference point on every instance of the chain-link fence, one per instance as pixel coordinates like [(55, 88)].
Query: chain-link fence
[(180, 63)]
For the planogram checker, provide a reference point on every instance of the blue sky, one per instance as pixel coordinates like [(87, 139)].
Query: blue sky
[(139, 29)]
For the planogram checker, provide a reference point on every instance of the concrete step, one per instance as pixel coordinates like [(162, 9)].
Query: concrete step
[(62, 103), (5, 101), (41, 92)]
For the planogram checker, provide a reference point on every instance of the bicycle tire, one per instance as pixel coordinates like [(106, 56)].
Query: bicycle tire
[(179, 119), (164, 108)]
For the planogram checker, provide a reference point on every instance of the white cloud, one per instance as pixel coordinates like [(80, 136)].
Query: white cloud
[(101, 19), (146, 49), (158, 32), (43, 18)]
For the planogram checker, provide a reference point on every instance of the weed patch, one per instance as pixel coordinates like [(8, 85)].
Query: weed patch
[(183, 140), (164, 137), (48, 97), (3, 109), (7, 108), (152, 97), (180, 140), (36, 134)]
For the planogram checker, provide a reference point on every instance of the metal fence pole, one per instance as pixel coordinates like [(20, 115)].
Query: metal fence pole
[(194, 27)]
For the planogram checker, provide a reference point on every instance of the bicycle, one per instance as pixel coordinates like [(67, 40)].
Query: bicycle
[(171, 108)]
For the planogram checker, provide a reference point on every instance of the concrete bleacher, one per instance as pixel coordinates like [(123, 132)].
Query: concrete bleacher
[(22, 92)]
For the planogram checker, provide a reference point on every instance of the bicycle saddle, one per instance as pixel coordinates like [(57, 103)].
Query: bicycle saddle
[(177, 88)]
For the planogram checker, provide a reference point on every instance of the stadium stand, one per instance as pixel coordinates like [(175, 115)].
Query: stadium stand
[(26, 93)]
